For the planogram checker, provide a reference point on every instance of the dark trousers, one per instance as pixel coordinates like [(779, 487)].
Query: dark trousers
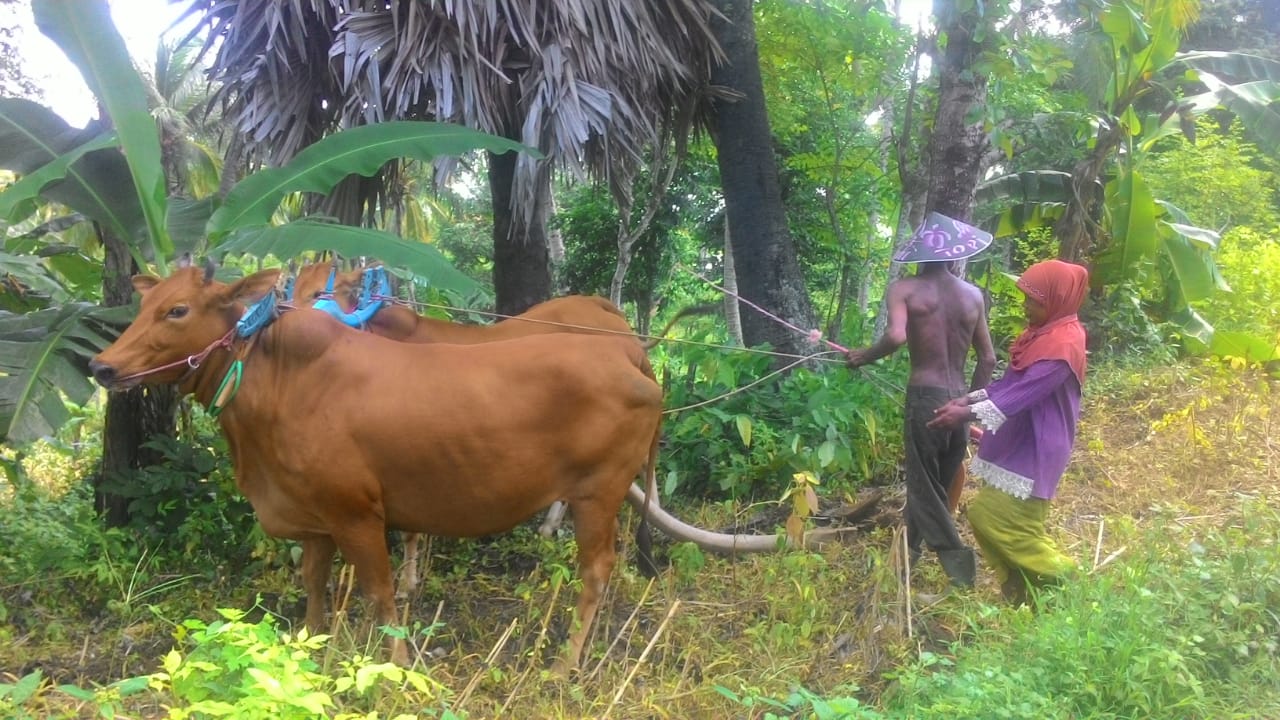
[(932, 459)]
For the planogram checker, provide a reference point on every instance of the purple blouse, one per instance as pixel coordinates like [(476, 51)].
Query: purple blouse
[(1030, 421)]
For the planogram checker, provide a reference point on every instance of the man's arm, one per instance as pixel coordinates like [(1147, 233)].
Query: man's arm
[(895, 331), (986, 353)]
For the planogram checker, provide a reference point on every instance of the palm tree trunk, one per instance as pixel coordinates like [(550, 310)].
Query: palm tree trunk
[(768, 271), (132, 417), (521, 259)]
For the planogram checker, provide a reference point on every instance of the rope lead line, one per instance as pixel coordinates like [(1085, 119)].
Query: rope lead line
[(886, 386)]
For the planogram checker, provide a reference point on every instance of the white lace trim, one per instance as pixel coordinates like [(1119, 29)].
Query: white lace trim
[(1001, 479), (989, 416), (977, 395)]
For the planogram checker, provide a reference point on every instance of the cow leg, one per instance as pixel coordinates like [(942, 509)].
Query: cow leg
[(364, 545), (317, 565), (409, 567), (595, 528)]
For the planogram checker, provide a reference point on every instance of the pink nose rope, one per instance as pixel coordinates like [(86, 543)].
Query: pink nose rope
[(192, 362), (814, 335)]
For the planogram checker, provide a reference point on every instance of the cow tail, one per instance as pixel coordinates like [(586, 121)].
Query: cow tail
[(645, 561), (708, 309)]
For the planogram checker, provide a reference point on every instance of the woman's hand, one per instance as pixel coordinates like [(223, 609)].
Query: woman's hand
[(951, 415)]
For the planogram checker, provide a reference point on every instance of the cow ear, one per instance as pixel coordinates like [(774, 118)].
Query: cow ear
[(143, 283), (253, 288)]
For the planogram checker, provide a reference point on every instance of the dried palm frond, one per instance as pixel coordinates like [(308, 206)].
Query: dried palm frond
[(590, 83)]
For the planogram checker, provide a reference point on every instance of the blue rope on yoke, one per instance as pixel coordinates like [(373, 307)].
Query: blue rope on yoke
[(257, 316)]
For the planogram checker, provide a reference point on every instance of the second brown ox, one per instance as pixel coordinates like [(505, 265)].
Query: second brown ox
[(338, 435), (572, 313)]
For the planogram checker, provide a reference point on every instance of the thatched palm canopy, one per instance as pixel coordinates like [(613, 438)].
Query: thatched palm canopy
[(590, 83)]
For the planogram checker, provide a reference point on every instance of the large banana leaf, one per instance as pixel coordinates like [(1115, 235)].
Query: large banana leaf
[(292, 239), (1247, 85), (361, 150), (1189, 252), (33, 136), (1133, 228), (83, 29), (1231, 67), (19, 200), (44, 357), (1195, 330), (29, 273), (1243, 345), (186, 220), (1039, 198), (1192, 264), (1031, 186), (1255, 103)]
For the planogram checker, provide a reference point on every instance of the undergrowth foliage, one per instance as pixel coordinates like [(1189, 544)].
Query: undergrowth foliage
[(844, 428), (1177, 622), (1186, 630)]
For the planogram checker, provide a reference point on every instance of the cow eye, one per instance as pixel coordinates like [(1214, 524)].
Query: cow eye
[(178, 311)]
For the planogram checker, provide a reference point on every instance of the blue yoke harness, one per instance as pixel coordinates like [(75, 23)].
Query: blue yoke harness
[(375, 289)]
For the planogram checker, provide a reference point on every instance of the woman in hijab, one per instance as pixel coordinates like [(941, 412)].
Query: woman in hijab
[(1029, 416)]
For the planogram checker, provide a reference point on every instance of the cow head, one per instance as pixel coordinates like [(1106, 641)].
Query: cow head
[(313, 279), (181, 316)]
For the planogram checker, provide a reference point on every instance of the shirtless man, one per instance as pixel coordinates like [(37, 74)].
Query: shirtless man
[(939, 317)]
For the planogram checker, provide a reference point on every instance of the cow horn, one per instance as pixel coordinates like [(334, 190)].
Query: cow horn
[(724, 543), (183, 261), (209, 268)]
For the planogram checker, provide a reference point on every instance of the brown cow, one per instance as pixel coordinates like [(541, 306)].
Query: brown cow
[(337, 435), (572, 313)]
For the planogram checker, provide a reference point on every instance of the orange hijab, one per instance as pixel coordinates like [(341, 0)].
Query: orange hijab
[(1060, 287)]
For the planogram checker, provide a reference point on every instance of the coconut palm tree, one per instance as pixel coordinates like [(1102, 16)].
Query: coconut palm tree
[(592, 84)]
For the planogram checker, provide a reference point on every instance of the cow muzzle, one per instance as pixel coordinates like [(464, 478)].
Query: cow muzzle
[(106, 375)]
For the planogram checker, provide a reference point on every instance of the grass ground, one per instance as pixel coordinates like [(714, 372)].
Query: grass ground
[(1173, 453)]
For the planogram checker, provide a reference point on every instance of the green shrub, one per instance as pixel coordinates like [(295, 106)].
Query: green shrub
[(844, 427), (188, 504), (1186, 629), (253, 671), (1250, 263), (59, 534), (1180, 632)]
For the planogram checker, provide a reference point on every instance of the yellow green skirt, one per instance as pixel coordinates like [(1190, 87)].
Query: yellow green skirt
[(1011, 534)]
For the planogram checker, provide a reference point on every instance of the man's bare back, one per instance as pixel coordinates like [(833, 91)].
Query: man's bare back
[(939, 317)]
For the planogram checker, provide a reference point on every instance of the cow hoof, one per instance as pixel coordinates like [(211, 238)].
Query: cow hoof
[(561, 670), (400, 654)]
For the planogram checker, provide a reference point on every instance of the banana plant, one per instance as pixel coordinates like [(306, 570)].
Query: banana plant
[(44, 352), (1104, 213)]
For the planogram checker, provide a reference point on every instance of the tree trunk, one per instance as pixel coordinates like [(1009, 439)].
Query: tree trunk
[(521, 259), (732, 317), (957, 146), (132, 417), (768, 272)]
